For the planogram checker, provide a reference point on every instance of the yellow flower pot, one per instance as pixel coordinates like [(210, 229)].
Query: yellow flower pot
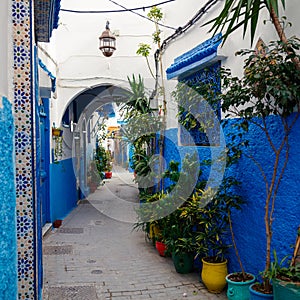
[(154, 231), (57, 132), (214, 276)]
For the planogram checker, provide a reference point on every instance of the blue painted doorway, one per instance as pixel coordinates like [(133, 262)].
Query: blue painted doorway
[(44, 192)]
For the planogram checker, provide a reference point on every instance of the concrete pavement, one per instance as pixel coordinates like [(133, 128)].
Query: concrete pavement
[(96, 255)]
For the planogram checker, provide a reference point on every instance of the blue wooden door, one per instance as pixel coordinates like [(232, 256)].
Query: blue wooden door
[(44, 160)]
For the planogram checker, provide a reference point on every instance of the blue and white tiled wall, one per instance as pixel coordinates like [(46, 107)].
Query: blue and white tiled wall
[(23, 112)]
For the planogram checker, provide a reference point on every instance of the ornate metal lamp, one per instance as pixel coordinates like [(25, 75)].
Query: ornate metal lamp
[(107, 42)]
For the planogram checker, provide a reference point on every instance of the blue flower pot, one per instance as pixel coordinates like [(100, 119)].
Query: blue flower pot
[(239, 290), (254, 295)]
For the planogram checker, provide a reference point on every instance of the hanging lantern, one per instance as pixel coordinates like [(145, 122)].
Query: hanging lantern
[(107, 42)]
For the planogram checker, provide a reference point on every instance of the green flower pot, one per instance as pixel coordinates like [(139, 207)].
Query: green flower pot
[(285, 290), (183, 262)]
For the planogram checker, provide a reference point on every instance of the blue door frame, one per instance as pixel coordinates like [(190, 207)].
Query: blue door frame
[(41, 173), (36, 175)]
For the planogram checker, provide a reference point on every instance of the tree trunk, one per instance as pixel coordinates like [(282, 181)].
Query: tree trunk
[(282, 36)]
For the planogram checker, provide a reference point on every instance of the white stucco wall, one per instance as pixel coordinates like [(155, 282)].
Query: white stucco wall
[(81, 65)]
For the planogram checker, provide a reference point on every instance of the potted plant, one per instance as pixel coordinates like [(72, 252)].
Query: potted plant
[(147, 218), (268, 92), (56, 132), (286, 283), (180, 243), (108, 165), (144, 176), (210, 243), (136, 111), (210, 211), (58, 148), (161, 247), (286, 277), (274, 85), (206, 224), (94, 177), (174, 231), (100, 158), (238, 282)]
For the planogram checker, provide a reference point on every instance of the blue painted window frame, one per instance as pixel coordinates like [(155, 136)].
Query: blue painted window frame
[(199, 138)]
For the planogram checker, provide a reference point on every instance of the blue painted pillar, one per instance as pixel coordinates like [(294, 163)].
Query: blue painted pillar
[(8, 237)]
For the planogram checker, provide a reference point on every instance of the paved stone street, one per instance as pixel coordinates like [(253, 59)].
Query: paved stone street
[(96, 255)]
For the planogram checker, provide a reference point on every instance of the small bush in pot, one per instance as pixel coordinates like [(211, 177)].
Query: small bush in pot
[(286, 276), (180, 242)]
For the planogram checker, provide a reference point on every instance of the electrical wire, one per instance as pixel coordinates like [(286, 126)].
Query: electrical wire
[(180, 30), (114, 11), (134, 12)]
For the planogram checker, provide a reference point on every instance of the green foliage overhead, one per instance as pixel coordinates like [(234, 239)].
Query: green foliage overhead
[(144, 49), (137, 101), (270, 85), (155, 14), (237, 13)]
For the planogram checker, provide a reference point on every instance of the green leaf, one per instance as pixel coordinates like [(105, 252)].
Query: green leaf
[(254, 18), (236, 13)]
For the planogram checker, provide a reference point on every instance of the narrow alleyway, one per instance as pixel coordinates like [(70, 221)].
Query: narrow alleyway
[(96, 255)]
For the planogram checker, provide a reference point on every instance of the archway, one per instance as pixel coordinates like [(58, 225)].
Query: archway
[(79, 122)]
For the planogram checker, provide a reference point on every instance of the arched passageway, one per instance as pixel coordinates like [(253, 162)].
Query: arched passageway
[(80, 122)]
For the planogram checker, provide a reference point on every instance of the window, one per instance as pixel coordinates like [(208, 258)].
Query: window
[(199, 121)]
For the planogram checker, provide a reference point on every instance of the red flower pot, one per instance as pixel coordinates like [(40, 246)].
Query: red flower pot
[(161, 248), (57, 223), (108, 175)]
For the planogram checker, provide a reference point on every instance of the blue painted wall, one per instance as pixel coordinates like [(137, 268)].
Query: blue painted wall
[(248, 223), (8, 237), (63, 192)]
